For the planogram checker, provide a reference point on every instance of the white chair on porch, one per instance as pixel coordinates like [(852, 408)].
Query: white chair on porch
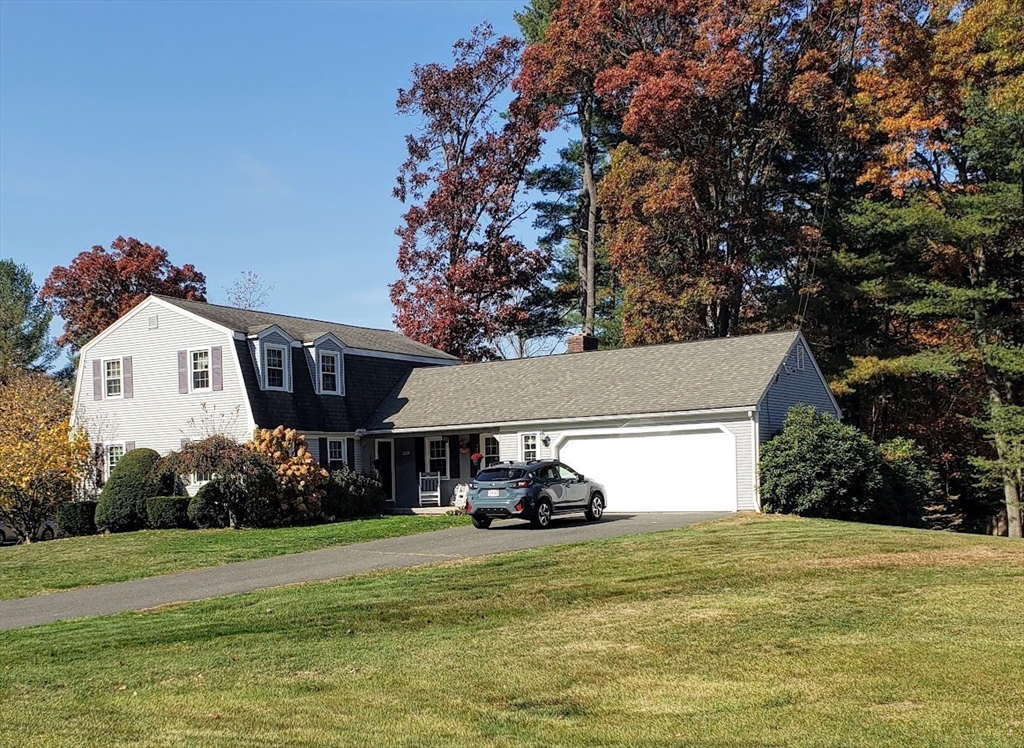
[(430, 489)]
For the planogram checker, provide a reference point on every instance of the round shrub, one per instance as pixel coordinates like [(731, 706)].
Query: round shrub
[(351, 494), (819, 467), (168, 512), (208, 508), (77, 518), (122, 502)]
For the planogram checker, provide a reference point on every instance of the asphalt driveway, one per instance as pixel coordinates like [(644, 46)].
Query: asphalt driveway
[(328, 563)]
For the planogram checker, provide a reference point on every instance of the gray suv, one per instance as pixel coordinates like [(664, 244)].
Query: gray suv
[(532, 490)]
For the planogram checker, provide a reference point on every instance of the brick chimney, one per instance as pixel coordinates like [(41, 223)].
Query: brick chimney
[(580, 343)]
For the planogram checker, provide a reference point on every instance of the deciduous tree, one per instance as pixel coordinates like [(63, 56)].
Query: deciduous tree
[(463, 271), (40, 456), (100, 286)]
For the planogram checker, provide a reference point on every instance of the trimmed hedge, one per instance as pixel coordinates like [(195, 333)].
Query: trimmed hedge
[(208, 508), (168, 512), (351, 494), (122, 504), (77, 518)]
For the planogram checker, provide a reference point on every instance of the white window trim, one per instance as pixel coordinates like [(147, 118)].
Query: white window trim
[(192, 370), (194, 479), (426, 453), (103, 366), (522, 445), (107, 467), (267, 347), (344, 451), (321, 355), (483, 449)]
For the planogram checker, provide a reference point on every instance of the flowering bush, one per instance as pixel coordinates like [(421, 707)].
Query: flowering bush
[(299, 474)]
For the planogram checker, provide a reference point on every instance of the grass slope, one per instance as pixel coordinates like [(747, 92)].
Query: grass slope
[(98, 559), (754, 631)]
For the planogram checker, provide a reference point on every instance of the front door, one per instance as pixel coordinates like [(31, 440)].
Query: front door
[(576, 490), (385, 464)]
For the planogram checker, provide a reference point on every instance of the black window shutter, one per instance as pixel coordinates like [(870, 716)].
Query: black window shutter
[(351, 453), (454, 460), (421, 460), (324, 455)]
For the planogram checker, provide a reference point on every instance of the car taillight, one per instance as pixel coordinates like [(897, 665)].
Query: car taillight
[(522, 484), (469, 509), (519, 507)]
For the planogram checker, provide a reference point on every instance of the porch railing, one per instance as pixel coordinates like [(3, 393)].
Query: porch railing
[(430, 489)]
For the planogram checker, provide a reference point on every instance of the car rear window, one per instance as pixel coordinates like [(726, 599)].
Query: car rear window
[(499, 474)]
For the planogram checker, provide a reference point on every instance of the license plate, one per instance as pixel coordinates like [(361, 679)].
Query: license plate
[(493, 492)]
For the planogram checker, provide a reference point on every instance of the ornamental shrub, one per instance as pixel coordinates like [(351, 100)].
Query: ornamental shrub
[(168, 512), (351, 494), (209, 507), (819, 467), (122, 502), (77, 518)]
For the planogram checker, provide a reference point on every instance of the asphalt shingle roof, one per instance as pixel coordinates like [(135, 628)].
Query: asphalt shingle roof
[(251, 322), (676, 377)]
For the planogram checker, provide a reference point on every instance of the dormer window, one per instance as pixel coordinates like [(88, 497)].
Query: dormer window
[(275, 367), (330, 369)]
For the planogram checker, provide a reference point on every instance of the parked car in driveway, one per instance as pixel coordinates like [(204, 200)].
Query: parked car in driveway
[(46, 531), (535, 491)]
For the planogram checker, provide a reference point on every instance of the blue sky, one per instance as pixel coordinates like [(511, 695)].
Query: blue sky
[(238, 136)]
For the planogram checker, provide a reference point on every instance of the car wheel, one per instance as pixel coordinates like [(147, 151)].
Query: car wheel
[(480, 522), (595, 509), (542, 515), (46, 534)]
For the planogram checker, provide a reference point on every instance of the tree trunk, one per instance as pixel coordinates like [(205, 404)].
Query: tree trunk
[(590, 187)]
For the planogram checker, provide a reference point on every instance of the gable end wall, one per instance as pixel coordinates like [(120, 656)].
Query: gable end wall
[(792, 386)]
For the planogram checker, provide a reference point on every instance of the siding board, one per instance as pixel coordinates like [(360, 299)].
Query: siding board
[(792, 386)]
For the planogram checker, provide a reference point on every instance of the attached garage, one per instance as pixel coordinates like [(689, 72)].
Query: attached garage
[(665, 428), (689, 470)]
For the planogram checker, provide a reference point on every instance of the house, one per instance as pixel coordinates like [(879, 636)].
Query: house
[(674, 427)]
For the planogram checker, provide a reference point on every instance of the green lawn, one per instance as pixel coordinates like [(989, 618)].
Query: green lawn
[(78, 562), (753, 631)]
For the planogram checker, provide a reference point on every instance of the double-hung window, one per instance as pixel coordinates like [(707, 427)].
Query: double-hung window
[(492, 451), (112, 381), (530, 447), (437, 456), (329, 372), (201, 370), (275, 367), (336, 451), (114, 453)]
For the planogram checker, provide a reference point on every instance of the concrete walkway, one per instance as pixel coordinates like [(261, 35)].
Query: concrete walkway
[(328, 563)]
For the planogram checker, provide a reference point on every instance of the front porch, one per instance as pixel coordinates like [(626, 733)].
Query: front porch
[(426, 470)]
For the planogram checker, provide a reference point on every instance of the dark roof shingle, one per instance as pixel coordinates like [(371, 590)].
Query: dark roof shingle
[(251, 322)]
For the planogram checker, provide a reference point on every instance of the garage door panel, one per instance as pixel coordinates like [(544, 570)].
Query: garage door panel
[(659, 472)]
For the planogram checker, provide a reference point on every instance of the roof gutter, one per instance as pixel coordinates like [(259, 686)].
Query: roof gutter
[(744, 409)]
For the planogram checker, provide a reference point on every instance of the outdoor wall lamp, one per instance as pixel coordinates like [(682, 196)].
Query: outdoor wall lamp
[(545, 439)]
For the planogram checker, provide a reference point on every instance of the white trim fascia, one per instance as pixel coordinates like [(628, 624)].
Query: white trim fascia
[(79, 373), (575, 419), (402, 357), (326, 336), (638, 431), (274, 328), (191, 315)]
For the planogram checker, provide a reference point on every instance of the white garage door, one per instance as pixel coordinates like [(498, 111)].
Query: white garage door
[(693, 471)]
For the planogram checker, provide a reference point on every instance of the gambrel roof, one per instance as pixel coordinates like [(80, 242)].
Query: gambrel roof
[(252, 322)]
